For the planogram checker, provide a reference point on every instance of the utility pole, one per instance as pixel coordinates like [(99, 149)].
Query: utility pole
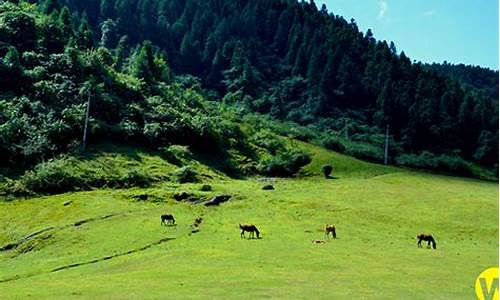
[(346, 130), (86, 123), (386, 151)]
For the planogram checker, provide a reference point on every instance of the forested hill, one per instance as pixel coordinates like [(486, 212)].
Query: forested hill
[(483, 79), (294, 61), (53, 74), (283, 59)]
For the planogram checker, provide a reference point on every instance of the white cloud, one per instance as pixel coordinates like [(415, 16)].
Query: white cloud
[(383, 9)]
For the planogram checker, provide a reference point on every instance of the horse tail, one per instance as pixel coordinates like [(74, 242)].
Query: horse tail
[(257, 231), (334, 233)]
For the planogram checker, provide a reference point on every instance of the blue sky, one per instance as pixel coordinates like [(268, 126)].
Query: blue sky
[(458, 31)]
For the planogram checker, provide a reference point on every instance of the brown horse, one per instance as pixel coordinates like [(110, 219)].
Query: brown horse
[(428, 238), (250, 228), (330, 228), (168, 218)]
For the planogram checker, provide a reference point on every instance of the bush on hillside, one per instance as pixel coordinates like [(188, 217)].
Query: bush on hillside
[(365, 152), (428, 160), (175, 153), (186, 174), (326, 170), (268, 140), (54, 176), (333, 143), (284, 164), (206, 188), (70, 174), (135, 177)]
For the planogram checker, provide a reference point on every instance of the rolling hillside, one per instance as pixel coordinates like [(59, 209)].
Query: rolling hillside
[(110, 244)]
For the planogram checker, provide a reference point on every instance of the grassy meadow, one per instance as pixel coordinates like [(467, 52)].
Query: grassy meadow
[(109, 244)]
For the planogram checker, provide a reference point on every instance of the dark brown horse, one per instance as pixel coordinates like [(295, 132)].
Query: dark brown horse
[(250, 228), (330, 228), (168, 218), (428, 238)]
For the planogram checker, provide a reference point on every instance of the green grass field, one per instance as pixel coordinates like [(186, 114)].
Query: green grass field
[(122, 252)]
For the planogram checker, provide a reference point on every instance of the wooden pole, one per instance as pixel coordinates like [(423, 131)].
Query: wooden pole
[(386, 151), (86, 123)]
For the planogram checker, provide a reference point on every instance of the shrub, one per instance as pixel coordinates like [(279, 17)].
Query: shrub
[(424, 160), (268, 140), (206, 188), (135, 178), (54, 176), (186, 174), (365, 152), (175, 153), (69, 174), (427, 160), (284, 164), (326, 170), (454, 164), (334, 144)]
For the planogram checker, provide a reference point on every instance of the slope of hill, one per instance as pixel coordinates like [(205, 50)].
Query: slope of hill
[(110, 244)]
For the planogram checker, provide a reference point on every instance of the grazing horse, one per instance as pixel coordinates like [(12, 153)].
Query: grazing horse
[(249, 228), (330, 228), (168, 218), (428, 238)]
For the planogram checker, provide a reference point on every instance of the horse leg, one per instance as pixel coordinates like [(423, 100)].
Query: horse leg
[(419, 244), (242, 235), (428, 244)]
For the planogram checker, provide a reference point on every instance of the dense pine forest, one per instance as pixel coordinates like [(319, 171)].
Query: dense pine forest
[(208, 74), (296, 62)]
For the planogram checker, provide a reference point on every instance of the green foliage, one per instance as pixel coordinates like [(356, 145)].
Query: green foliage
[(365, 152), (206, 188), (69, 174), (427, 160), (286, 163), (135, 178), (267, 140), (186, 174), (334, 144)]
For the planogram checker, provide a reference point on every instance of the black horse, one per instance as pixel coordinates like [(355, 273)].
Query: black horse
[(169, 220), (249, 228), (428, 238)]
